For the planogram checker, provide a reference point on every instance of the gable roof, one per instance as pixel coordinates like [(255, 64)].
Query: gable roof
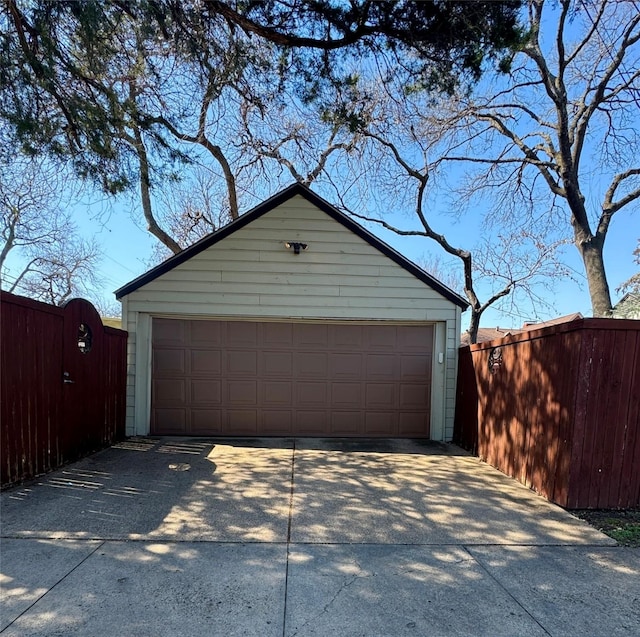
[(268, 205)]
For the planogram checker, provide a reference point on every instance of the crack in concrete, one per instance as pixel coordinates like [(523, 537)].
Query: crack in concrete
[(328, 605)]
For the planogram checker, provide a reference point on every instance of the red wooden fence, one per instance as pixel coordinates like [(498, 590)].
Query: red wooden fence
[(558, 409), (62, 385)]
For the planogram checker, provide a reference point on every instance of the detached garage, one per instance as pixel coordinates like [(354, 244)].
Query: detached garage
[(291, 321)]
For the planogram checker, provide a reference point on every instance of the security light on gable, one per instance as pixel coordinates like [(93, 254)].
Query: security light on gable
[(296, 246)]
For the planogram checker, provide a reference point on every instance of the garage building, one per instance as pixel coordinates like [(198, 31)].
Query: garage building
[(293, 320)]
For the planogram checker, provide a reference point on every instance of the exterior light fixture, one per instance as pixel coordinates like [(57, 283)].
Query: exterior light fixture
[(296, 246)]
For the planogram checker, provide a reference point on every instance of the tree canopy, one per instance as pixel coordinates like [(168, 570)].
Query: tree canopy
[(160, 97), (546, 152), (78, 78), (570, 102)]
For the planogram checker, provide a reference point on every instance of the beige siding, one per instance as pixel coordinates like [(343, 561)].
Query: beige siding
[(339, 276), (316, 308), (251, 274), (129, 321)]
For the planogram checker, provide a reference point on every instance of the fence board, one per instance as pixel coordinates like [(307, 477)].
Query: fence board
[(621, 413), (560, 413), (567, 388), (588, 459), (630, 484), (36, 434), (614, 379)]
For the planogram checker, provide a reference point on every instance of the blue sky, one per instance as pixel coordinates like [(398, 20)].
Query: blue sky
[(127, 247), (127, 251)]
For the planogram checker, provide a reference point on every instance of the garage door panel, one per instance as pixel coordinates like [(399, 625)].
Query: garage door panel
[(242, 392), (310, 336), (346, 336), (168, 332), (379, 337), (309, 394), (206, 421), (242, 334), (416, 368), (345, 366), (381, 396), (310, 364), (347, 423), (276, 422), (381, 423), (346, 395), (274, 364), (276, 393), (169, 391), (415, 337), (413, 396), (277, 334), (242, 422), (206, 362), (170, 421), (309, 422), (381, 366), (206, 391), (207, 333), (169, 361), (307, 379), (242, 363), (412, 425)]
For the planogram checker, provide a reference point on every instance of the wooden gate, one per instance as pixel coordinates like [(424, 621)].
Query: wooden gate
[(62, 386)]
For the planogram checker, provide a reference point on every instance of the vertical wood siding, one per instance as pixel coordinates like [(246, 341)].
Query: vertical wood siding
[(561, 413), (44, 421)]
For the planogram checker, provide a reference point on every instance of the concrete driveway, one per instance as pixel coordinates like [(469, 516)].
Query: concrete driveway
[(306, 537)]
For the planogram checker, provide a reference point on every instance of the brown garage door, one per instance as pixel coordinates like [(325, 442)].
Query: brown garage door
[(241, 378)]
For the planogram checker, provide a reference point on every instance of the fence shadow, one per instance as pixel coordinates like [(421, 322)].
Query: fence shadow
[(558, 409)]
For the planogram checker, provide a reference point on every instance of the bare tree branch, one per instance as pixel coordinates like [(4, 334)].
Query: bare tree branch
[(145, 194)]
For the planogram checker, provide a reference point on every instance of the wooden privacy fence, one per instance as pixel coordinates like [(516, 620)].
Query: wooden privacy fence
[(558, 409), (62, 384)]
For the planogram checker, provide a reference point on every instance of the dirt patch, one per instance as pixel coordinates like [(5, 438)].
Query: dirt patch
[(622, 525)]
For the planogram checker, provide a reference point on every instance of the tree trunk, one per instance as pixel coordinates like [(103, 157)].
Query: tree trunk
[(590, 246), (591, 252), (474, 322)]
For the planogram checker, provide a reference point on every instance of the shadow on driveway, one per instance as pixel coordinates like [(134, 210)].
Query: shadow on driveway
[(168, 489), (273, 537)]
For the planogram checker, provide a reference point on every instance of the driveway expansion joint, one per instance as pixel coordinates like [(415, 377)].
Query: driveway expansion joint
[(80, 563), (289, 523), (506, 590)]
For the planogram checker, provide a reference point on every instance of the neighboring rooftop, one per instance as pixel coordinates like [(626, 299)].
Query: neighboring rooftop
[(527, 327), (487, 334), (628, 307), (491, 333), (112, 322)]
